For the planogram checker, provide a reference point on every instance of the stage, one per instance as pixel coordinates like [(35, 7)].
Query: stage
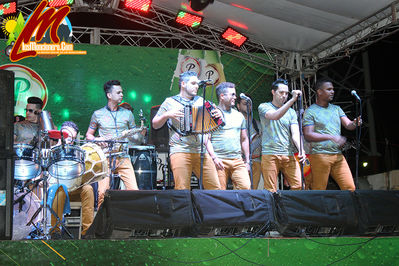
[(205, 251)]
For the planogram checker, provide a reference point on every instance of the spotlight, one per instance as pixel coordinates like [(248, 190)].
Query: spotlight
[(140, 5), (59, 3), (8, 7), (234, 37), (199, 5), (191, 20)]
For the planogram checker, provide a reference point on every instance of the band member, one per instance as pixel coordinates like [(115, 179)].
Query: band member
[(137, 138), (111, 121), (230, 141), (84, 194), (256, 139), (322, 128), (27, 131), (185, 150), (280, 132)]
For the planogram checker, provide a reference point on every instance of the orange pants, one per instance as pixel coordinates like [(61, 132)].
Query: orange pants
[(273, 164), (125, 170), (335, 164), (184, 164), (237, 171), (256, 171), (84, 194)]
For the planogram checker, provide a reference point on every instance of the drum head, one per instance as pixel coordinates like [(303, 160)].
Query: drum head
[(26, 164), (66, 162)]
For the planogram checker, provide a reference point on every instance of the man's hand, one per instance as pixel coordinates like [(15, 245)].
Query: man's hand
[(175, 114), (216, 112), (218, 163), (144, 131), (102, 144), (340, 140), (295, 94)]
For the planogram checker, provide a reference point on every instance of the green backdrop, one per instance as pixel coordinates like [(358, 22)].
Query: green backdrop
[(75, 82)]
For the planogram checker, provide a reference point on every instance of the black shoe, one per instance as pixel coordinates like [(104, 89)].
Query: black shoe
[(55, 235)]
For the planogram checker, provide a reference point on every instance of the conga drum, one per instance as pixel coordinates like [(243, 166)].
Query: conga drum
[(144, 161)]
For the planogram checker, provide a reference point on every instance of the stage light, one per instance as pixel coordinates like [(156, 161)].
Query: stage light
[(59, 3), (188, 19), (8, 7), (237, 24), (140, 5), (199, 5), (365, 164), (234, 37)]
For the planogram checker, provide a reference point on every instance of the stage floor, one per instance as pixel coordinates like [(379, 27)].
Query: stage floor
[(205, 251)]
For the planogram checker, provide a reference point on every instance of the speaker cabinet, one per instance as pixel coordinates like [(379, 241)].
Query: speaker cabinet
[(159, 137), (6, 152), (315, 213)]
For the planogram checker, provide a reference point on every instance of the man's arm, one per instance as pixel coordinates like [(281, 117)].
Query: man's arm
[(159, 120), (277, 114), (351, 124), (209, 147), (311, 136), (245, 147)]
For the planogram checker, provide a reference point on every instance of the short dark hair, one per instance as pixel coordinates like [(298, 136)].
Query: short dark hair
[(108, 86), (238, 100), (70, 124), (222, 88), (277, 82), (185, 76), (36, 100), (320, 82)]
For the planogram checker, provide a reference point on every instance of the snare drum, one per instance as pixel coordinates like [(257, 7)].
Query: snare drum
[(66, 162), (144, 161), (27, 162)]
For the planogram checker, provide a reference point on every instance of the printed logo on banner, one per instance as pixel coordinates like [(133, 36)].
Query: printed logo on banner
[(47, 32), (27, 83)]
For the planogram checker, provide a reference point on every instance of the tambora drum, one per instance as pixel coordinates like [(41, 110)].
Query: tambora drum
[(96, 164), (66, 162), (144, 161), (27, 162)]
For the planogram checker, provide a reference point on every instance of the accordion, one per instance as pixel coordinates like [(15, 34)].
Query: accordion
[(191, 122)]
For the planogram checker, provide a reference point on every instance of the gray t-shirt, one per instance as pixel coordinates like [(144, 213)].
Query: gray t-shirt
[(326, 120), (226, 141), (177, 142), (276, 134)]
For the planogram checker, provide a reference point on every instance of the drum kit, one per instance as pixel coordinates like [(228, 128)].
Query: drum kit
[(70, 165)]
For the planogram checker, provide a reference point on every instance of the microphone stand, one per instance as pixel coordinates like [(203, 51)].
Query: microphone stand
[(300, 111), (249, 120), (202, 136), (358, 131)]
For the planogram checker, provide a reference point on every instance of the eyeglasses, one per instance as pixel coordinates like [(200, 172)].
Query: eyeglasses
[(29, 110)]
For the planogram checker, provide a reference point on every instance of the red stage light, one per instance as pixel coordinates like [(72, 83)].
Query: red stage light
[(140, 5), (242, 7), (59, 3), (237, 24), (234, 37), (188, 19), (8, 8)]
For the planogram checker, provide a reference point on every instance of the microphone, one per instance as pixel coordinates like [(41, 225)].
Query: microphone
[(244, 97), (205, 81), (353, 92)]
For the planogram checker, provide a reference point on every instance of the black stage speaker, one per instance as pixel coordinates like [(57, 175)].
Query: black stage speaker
[(378, 212), (315, 213), (233, 212), (159, 137), (6, 152), (139, 214)]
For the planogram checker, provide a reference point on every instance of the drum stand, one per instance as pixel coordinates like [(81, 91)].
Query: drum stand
[(44, 158)]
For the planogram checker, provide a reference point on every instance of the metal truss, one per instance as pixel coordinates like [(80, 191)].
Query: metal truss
[(368, 31), (164, 33)]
